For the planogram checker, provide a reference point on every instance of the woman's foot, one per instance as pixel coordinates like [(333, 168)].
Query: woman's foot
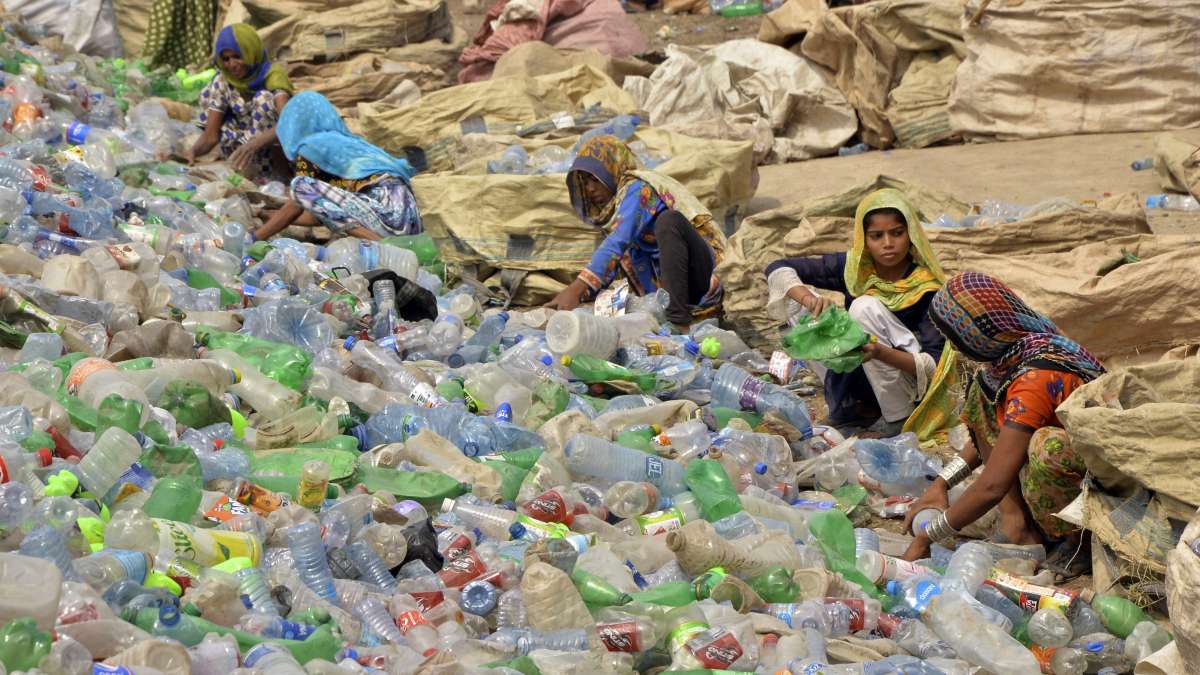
[(1015, 525)]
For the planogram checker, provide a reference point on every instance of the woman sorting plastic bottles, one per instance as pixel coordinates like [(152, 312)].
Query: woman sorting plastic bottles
[(342, 181), (888, 278), (1029, 368), (659, 235), (241, 106)]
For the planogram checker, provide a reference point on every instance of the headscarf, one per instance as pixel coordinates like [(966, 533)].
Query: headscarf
[(988, 322), (311, 127), (244, 40), (612, 163), (860, 268)]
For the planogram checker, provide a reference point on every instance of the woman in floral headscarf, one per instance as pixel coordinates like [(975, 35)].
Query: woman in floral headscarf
[(659, 235), (888, 278), (241, 106), (1029, 368)]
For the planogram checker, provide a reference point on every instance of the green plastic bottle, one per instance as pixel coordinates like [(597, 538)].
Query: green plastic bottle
[(594, 370), (707, 480), (596, 591), (640, 437), (119, 412), (670, 594), (286, 364), (202, 280), (722, 416), (1117, 614), (420, 244), (174, 498), (775, 585), (320, 645), (22, 645)]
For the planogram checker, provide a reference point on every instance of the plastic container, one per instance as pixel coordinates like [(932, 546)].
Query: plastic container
[(591, 456), (575, 333)]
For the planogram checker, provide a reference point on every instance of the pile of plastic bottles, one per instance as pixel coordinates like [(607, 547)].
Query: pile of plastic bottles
[(217, 454), (553, 159)]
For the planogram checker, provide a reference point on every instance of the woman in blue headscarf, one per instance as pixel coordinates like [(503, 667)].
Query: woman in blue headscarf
[(240, 107), (344, 182)]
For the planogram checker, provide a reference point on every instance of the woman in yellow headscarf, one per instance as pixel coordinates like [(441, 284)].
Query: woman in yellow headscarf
[(889, 278), (240, 107)]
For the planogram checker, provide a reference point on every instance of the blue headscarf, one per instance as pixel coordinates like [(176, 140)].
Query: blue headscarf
[(311, 127)]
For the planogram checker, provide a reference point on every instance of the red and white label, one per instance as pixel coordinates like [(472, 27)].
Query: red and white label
[(409, 620), (858, 611), (427, 600), (623, 636), (718, 651), (548, 507)]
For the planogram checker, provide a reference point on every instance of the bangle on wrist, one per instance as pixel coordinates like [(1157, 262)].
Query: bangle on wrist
[(939, 531), (955, 471)]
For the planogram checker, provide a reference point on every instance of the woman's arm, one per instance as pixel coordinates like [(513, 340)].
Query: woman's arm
[(279, 220), (628, 220), (209, 138)]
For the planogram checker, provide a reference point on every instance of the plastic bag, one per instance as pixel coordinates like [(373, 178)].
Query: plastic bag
[(834, 339)]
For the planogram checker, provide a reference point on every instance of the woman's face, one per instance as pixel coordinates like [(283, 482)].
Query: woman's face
[(887, 240), (232, 62), (595, 191)]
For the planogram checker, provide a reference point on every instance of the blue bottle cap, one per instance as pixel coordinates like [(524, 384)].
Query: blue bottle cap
[(321, 253), (516, 530), (691, 347), (760, 468), (503, 315), (168, 615), (1095, 647), (504, 412), (547, 360), (349, 343), (359, 432), (892, 587)]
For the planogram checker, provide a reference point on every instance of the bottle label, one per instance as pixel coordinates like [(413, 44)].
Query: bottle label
[(783, 367), (206, 547), (4, 474), (536, 529), (548, 507), (717, 650), (750, 392), (311, 493), (133, 562), (125, 256), (1031, 597), (898, 570), (659, 522), (79, 614), (424, 395), (225, 509), (654, 469), (296, 631), (136, 479), (926, 591), (462, 564), (409, 620), (623, 636), (83, 370), (102, 669), (427, 600)]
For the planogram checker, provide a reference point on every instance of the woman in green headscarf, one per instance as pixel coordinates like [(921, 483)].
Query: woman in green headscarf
[(241, 106), (888, 278)]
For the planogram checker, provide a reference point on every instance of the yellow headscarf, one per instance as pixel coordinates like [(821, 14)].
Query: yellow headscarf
[(860, 268)]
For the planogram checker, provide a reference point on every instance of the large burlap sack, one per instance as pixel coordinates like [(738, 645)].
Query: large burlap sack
[(745, 83), (1121, 66), (366, 77), (1114, 307), (1183, 596), (133, 22), (869, 47), (538, 58), (88, 26), (438, 121), (1177, 164), (918, 107), (826, 224), (371, 24), (484, 222)]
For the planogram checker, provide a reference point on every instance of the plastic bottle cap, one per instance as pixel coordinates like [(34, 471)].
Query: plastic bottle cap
[(1095, 647), (892, 587), (359, 432), (547, 360), (516, 530), (349, 343), (503, 315), (710, 347), (234, 565), (692, 347), (169, 615), (566, 360), (760, 468)]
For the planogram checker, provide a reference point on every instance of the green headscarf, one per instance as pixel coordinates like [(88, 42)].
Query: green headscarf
[(244, 40)]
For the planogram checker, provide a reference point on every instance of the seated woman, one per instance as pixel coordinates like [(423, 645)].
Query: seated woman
[(889, 278), (1029, 368), (659, 235), (240, 107), (342, 181)]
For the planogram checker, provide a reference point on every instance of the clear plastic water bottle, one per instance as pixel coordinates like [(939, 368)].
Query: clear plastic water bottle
[(1147, 637), (48, 346), (969, 568), (510, 610), (994, 598), (897, 463), (524, 640), (1142, 164), (114, 452), (1084, 620), (916, 638), (273, 659), (16, 504), (1050, 628), (1172, 202), (476, 346), (371, 566), (253, 585), (274, 626), (735, 388), (514, 160), (47, 543), (591, 456), (308, 557), (865, 539)]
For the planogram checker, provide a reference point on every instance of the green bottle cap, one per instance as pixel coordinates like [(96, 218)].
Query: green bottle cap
[(710, 347)]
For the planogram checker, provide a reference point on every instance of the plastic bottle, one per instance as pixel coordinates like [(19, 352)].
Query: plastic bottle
[(581, 333), (592, 456), (1068, 661), (735, 388), (629, 499), (113, 453), (314, 482), (1050, 628), (47, 346), (865, 539), (1172, 202), (262, 393), (104, 568), (524, 640), (510, 610), (881, 568), (1103, 650), (272, 659), (1147, 637), (1084, 619), (308, 556), (47, 543), (413, 624), (479, 598), (371, 566), (917, 639)]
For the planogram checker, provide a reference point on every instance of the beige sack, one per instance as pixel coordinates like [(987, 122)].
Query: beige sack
[(483, 479), (1177, 164), (1183, 596), (562, 427), (366, 77), (352, 27), (918, 108), (1121, 66), (532, 59)]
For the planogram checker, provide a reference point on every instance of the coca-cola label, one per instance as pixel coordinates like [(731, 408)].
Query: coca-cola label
[(549, 507), (410, 619), (622, 636), (858, 611), (87, 612), (463, 564), (717, 650), (427, 600)]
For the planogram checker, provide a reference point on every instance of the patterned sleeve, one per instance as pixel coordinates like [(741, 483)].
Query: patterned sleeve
[(1034, 396), (630, 219), (212, 96)]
